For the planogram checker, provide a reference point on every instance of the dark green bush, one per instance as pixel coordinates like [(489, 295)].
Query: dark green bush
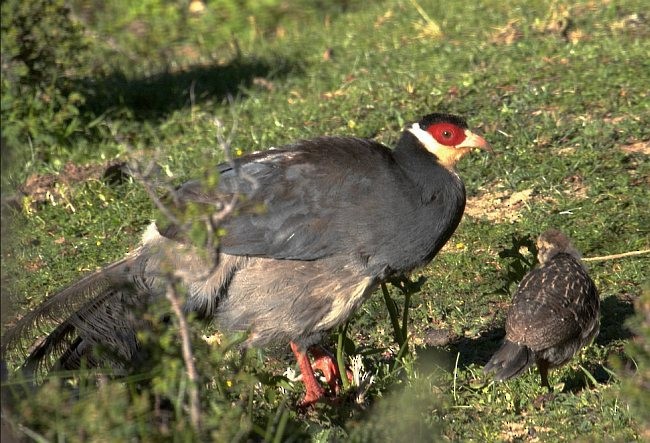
[(42, 50), (636, 374)]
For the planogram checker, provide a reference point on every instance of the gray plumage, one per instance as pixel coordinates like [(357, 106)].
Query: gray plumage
[(274, 300), (322, 223), (554, 312)]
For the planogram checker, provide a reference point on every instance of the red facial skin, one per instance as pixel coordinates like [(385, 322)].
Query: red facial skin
[(447, 134)]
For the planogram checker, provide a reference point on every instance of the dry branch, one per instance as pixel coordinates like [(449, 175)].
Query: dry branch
[(615, 256), (188, 357)]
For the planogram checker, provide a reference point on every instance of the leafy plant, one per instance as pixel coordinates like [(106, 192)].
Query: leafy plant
[(151, 78), (42, 49), (520, 261)]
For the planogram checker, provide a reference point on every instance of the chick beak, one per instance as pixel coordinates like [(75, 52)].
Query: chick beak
[(475, 141)]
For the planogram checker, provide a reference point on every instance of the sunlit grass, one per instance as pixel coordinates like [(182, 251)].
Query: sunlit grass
[(560, 106)]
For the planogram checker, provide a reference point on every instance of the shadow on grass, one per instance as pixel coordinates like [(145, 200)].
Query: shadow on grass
[(160, 94), (577, 380), (478, 350), (470, 351), (614, 311)]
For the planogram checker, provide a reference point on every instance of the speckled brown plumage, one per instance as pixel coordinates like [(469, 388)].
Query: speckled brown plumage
[(554, 312)]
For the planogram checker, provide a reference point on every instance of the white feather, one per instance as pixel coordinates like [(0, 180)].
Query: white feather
[(425, 138)]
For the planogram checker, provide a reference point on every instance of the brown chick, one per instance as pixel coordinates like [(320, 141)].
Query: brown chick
[(554, 312)]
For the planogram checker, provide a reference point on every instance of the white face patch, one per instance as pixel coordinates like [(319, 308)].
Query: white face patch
[(447, 156), (427, 140)]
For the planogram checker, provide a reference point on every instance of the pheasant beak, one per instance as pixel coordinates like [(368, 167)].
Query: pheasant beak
[(473, 140)]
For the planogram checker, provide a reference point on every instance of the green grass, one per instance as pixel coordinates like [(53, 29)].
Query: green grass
[(560, 112)]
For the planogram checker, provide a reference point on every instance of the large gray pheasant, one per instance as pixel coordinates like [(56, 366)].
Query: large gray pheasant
[(322, 224)]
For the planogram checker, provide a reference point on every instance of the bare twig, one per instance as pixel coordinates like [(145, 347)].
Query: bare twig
[(219, 210), (225, 143), (615, 256), (152, 195), (144, 175), (188, 357), (222, 208)]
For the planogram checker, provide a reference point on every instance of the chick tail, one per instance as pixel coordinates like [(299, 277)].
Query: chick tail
[(510, 361)]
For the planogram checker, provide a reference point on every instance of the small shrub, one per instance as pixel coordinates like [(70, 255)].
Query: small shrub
[(42, 48)]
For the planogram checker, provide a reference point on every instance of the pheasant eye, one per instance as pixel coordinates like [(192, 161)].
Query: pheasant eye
[(447, 134)]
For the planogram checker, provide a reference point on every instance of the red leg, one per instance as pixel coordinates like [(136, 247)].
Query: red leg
[(326, 363), (314, 391)]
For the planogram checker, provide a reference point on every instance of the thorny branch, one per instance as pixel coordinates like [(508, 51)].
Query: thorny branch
[(147, 175)]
